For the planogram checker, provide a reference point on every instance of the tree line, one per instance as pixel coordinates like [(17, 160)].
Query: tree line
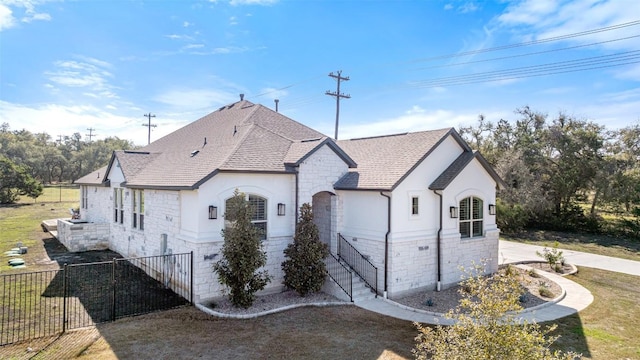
[(561, 172), (28, 160)]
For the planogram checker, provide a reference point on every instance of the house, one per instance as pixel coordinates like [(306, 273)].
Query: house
[(417, 205)]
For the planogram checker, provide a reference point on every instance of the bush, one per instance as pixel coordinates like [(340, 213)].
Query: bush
[(553, 257), (510, 218), (304, 269), (486, 326)]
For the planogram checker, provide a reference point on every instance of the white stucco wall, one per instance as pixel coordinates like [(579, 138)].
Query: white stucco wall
[(413, 256)]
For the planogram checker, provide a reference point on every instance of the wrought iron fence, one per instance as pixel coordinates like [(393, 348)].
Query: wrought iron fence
[(359, 263), (45, 303), (340, 274)]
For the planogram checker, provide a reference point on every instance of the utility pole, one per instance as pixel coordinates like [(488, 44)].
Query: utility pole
[(91, 134), (338, 95), (60, 139), (149, 125)]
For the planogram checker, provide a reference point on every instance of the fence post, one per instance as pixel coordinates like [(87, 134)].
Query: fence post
[(65, 286), (113, 285), (191, 275)]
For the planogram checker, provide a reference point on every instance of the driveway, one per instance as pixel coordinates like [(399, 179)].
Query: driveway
[(514, 252)]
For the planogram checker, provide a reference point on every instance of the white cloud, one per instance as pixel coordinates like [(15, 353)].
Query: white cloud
[(252, 2), (9, 9), (191, 99), (186, 24), (412, 120), (6, 18), (448, 7), (273, 93), (66, 120), (467, 7)]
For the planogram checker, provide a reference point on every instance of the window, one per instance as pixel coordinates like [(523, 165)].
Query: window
[(414, 205), (138, 209), (118, 206), (259, 217), (84, 203), (471, 215)]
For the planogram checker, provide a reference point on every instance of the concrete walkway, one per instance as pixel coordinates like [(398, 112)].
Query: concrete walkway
[(574, 298)]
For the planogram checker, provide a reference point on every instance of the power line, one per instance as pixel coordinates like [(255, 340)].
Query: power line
[(527, 54), (533, 42), (149, 125), (338, 95), (535, 70)]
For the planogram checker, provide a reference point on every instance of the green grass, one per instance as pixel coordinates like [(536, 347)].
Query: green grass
[(21, 223), (54, 193), (606, 329)]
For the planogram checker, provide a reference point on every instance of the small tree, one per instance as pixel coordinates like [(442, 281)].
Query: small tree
[(554, 257), (486, 325), (304, 269), (242, 254)]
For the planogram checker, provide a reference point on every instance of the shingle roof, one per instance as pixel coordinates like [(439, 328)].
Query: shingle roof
[(384, 161), (456, 167), (94, 178), (239, 137)]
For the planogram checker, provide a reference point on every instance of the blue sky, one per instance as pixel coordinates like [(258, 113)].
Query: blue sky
[(66, 66)]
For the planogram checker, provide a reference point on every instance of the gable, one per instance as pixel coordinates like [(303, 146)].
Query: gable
[(385, 161), (459, 165)]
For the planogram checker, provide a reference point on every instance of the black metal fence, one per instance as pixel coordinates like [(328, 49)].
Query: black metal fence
[(359, 263), (340, 274), (45, 303)]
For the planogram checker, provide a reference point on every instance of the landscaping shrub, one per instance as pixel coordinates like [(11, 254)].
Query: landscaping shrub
[(304, 267)]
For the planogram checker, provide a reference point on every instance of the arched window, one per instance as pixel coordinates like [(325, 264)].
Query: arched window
[(259, 217), (471, 217)]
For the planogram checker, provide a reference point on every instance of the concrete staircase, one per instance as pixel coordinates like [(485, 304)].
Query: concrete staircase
[(361, 291)]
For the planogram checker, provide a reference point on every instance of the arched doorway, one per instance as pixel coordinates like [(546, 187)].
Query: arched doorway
[(321, 206)]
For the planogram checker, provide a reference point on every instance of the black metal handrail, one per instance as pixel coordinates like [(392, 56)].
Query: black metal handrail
[(340, 274), (358, 262)]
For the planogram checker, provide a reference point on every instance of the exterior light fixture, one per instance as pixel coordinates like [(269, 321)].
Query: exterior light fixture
[(492, 209), (213, 212), (453, 211), (281, 209)]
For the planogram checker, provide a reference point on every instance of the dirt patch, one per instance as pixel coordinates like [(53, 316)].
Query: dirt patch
[(445, 300)]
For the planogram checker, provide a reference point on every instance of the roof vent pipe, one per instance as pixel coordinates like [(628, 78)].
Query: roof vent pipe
[(276, 101), (241, 97)]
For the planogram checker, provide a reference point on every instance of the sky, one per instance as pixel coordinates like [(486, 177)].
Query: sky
[(97, 67)]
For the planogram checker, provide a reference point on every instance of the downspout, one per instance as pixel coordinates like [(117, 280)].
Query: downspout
[(386, 242), (297, 196), (438, 249)]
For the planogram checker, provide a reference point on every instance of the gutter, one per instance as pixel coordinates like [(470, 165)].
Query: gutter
[(438, 247), (386, 242)]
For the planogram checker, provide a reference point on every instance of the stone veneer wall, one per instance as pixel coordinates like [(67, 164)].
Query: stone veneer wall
[(77, 237)]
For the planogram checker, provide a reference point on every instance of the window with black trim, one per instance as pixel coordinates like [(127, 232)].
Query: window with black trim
[(118, 205), (259, 217), (471, 217), (414, 205), (84, 190), (138, 209)]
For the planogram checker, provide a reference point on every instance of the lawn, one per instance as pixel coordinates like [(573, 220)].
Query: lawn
[(21, 223)]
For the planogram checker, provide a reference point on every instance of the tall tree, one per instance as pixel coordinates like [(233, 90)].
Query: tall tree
[(242, 254), (15, 182)]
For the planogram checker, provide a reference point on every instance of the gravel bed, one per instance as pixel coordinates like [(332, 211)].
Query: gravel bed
[(445, 300), (264, 303)]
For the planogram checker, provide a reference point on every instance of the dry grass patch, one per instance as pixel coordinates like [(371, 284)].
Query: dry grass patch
[(338, 332)]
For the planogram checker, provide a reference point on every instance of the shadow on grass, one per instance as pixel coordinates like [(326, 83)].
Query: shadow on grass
[(572, 335), (102, 288)]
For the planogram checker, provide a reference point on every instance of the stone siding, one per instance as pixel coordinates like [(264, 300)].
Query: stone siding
[(83, 236)]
